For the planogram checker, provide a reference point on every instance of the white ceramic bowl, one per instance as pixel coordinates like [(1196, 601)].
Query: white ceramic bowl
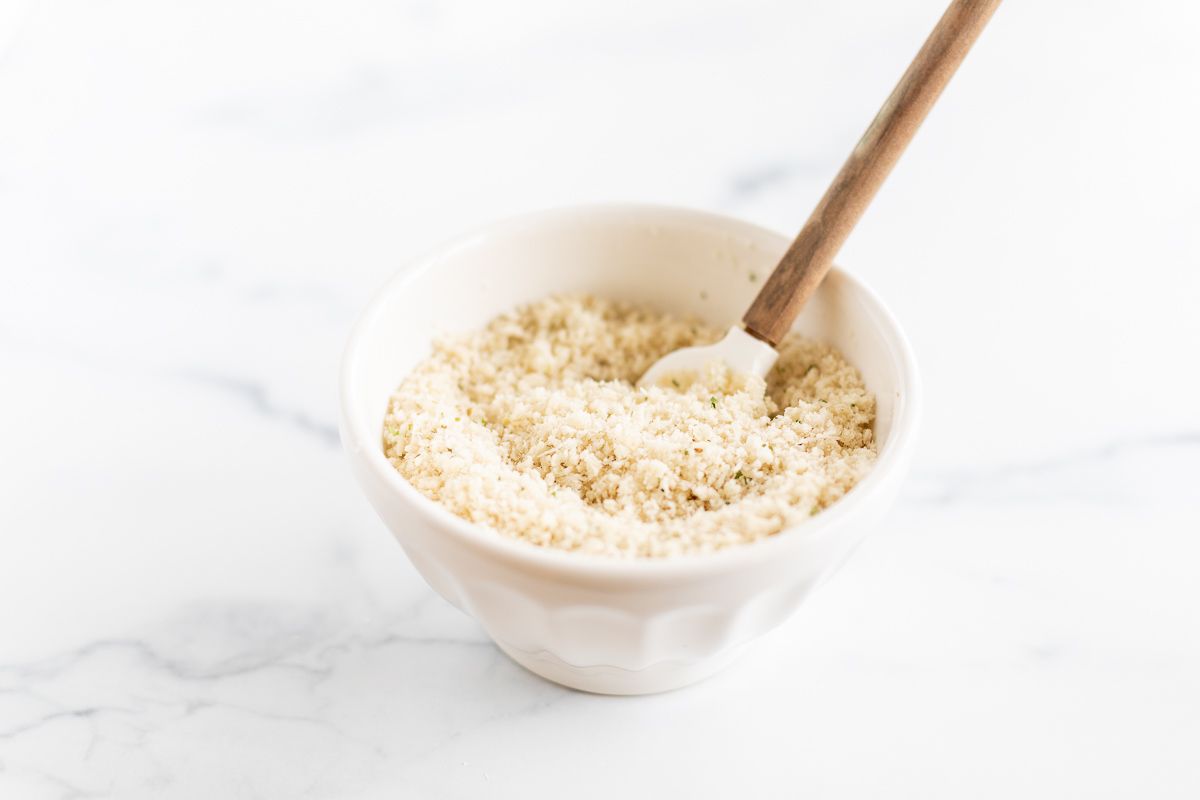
[(620, 627)]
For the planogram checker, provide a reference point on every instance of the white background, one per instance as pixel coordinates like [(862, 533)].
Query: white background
[(197, 198)]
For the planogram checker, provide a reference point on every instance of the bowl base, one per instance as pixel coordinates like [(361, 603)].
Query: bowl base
[(600, 679)]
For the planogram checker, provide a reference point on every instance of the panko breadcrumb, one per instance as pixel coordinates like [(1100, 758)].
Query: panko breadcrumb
[(532, 427)]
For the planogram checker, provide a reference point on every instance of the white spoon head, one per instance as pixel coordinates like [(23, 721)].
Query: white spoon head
[(740, 351)]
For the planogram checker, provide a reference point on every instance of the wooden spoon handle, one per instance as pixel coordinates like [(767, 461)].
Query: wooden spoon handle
[(811, 254)]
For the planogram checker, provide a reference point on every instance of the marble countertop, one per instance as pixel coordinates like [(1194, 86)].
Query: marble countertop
[(197, 199)]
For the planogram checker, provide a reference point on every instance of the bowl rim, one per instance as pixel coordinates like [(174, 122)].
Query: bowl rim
[(361, 444)]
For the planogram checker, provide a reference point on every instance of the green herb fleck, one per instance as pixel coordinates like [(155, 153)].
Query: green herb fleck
[(741, 476), (675, 383), (712, 401), (753, 277)]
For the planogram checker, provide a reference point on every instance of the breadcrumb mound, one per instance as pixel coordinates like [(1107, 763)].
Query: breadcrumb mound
[(533, 427)]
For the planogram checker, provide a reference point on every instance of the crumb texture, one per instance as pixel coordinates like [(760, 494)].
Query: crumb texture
[(532, 427)]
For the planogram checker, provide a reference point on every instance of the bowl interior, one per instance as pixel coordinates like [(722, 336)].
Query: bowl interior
[(671, 259)]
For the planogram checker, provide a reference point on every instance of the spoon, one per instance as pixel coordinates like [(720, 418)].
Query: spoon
[(750, 347)]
